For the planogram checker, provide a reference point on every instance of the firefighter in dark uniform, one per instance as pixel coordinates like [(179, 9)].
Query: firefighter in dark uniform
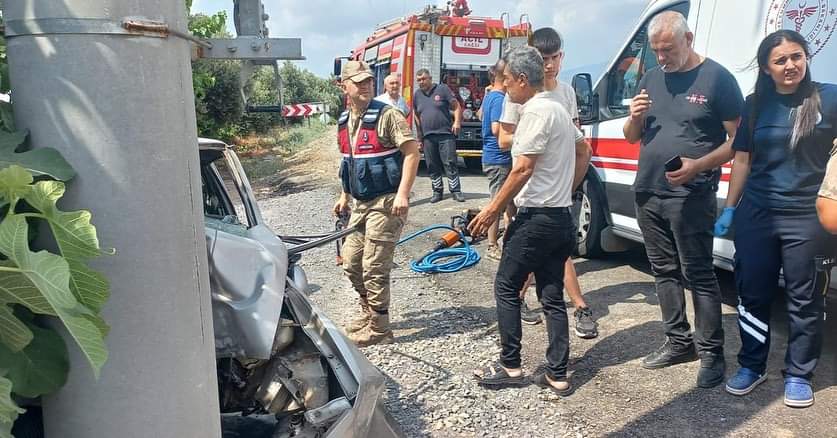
[(781, 147), (380, 160)]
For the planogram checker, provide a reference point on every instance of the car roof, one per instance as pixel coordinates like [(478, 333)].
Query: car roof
[(212, 144)]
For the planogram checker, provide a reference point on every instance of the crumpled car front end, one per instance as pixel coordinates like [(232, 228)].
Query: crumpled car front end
[(284, 369)]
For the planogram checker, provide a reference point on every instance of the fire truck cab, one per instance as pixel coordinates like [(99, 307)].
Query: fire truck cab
[(457, 51), (729, 32)]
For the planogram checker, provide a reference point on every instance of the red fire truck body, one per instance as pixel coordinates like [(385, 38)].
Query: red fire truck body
[(457, 51)]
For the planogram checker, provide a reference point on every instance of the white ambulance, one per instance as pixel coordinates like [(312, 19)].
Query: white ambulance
[(728, 31)]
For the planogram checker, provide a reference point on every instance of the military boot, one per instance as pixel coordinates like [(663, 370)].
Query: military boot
[(362, 320), (377, 332)]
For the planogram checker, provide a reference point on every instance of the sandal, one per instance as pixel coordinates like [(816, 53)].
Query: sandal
[(540, 379), (495, 376)]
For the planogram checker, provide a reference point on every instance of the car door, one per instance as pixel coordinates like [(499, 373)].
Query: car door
[(248, 264)]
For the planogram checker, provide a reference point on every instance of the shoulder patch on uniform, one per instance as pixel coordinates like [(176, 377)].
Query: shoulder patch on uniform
[(344, 117), (370, 116)]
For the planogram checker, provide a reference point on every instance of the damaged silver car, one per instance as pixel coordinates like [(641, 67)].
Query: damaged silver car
[(279, 359)]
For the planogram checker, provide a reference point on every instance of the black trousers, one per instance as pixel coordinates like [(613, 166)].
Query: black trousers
[(538, 241), (678, 241), (440, 156), (766, 241)]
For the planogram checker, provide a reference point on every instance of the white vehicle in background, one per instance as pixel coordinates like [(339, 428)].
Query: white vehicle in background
[(729, 32)]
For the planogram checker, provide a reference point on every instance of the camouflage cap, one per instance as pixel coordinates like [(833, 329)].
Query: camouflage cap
[(357, 71)]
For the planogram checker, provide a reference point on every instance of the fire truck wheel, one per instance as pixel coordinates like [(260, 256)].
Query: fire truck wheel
[(587, 206), (474, 164)]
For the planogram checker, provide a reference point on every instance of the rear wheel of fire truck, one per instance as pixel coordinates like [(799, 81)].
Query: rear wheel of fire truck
[(587, 204), (474, 164)]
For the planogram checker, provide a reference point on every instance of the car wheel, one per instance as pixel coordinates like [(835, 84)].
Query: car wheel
[(590, 216)]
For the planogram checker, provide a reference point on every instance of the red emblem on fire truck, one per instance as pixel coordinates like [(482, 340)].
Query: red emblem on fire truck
[(814, 19)]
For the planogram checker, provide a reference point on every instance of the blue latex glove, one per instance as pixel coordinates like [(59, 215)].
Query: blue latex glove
[(724, 221)]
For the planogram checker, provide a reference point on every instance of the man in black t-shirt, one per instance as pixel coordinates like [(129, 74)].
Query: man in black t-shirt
[(688, 107), (432, 106)]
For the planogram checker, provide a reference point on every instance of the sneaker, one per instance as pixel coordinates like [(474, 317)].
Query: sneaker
[(668, 355), (458, 196), (493, 252), (585, 326), (744, 381), (798, 392), (529, 316), (437, 196), (713, 367)]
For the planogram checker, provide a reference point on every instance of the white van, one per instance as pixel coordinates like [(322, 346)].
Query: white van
[(728, 31)]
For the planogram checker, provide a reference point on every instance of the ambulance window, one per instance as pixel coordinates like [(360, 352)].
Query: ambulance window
[(623, 79), (635, 60)]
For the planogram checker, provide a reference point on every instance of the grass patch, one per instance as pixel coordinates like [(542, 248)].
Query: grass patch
[(264, 155), (257, 168)]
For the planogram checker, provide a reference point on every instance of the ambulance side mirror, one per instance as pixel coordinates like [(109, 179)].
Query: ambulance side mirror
[(583, 86)]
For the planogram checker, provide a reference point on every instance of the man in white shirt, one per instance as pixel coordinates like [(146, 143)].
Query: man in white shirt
[(542, 236), (392, 94), (549, 44)]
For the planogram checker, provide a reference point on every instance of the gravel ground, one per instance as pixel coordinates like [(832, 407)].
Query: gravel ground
[(445, 326)]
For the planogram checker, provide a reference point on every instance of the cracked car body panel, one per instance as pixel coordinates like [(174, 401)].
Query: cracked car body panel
[(247, 281)]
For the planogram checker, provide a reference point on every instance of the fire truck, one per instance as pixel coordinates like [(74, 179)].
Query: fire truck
[(455, 47)]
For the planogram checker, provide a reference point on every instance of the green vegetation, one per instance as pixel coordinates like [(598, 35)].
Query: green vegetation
[(36, 284), (218, 104), (264, 155)]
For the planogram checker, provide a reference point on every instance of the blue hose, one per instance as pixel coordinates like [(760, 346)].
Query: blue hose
[(456, 258)]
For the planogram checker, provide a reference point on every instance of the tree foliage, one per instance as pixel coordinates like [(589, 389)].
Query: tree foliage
[(219, 106), (53, 284)]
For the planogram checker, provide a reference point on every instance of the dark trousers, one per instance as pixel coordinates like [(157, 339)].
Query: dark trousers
[(678, 240), (440, 156), (766, 241), (538, 241)]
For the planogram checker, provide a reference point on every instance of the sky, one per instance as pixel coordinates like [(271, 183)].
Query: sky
[(593, 30)]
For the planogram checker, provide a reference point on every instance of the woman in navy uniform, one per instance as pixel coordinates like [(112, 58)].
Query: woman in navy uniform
[(782, 147)]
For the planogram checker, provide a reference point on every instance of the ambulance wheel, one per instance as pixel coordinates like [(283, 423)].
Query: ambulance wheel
[(590, 216)]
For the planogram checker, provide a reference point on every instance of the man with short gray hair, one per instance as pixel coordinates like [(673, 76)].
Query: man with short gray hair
[(542, 236), (392, 94), (685, 116)]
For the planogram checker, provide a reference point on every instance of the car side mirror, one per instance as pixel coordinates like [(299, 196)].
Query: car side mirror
[(583, 86)]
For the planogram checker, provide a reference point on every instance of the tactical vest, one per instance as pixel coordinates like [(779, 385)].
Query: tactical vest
[(371, 169)]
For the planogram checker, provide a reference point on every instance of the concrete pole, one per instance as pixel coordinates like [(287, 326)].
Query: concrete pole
[(120, 108)]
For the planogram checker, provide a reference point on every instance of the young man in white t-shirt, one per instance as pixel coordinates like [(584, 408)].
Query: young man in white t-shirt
[(549, 43), (542, 236)]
